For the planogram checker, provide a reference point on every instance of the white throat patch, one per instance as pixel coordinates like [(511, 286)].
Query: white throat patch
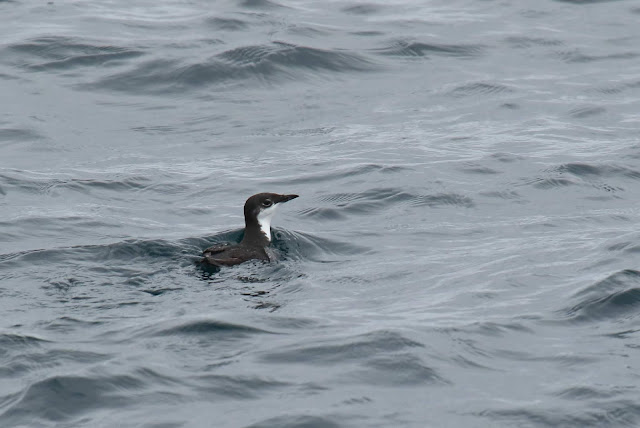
[(264, 220)]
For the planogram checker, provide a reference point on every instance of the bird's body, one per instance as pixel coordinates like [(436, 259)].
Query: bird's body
[(258, 212)]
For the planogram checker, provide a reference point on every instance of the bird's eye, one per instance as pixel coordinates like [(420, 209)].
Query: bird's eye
[(267, 203)]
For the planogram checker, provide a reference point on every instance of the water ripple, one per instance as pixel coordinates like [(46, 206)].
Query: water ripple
[(271, 62), (65, 53), (421, 49), (615, 297)]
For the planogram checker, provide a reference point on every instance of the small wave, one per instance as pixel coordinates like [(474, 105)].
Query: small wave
[(506, 157), (349, 171), (581, 393), (621, 413), (297, 421), (19, 135), (363, 9), (551, 182), (584, 112), (398, 369), (52, 185), (66, 53), (305, 246), (357, 348), (384, 198), (526, 42), (576, 56), (29, 362), (286, 54), (479, 88), (210, 328), (228, 24), (272, 62), (605, 170), (9, 341), (235, 387), (260, 4), (63, 397), (419, 49), (580, 2), (478, 169), (129, 250), (615, 297)]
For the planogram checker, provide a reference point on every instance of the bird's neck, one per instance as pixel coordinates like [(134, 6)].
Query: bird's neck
[(257, 233)]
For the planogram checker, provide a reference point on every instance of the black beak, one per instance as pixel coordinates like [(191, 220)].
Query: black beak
[(285, 198)]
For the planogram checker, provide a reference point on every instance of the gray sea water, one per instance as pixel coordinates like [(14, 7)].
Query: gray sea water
[(465, 250)]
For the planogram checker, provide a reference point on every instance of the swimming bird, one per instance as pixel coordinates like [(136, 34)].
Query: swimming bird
[(258, 212)]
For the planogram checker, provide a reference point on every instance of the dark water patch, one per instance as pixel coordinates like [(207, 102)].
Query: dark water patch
[(581, 2), (65, 53), (560, 360), (236, 387), (510, 106), (305, 246), (623, 334), (161, 291), (526, 42), (581, 393), (273, 62), (506, 157), (67, 324), (307, 31), (418, 49), (480, 88), (576, 56), (616, 414), (298, 421), (306, 132), (5, 76), (229, 24), (499, 329), (367, 33), (260, 4), (503, 194), (130, 250), (580, 169), (357, 348), (551, 183), (615, 297), (593, 173), (398, 370), (51, 186), (289, 55), (27, 363), (323, 214), (60, 398), (350, 171), (363, 9), (478, 169), (610, 90), (444, 199), (213, 328), (302, 421), (19, 135), (627, 247), (584, 112), (16, 342), (382, 198)]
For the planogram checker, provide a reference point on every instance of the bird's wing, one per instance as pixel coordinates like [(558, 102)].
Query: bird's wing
[(227, 261), (215, 249)]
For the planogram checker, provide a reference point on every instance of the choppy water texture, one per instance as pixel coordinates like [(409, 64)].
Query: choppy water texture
[(465, 251)]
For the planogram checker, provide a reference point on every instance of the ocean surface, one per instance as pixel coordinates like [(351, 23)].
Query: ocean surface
[(465, 250)]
